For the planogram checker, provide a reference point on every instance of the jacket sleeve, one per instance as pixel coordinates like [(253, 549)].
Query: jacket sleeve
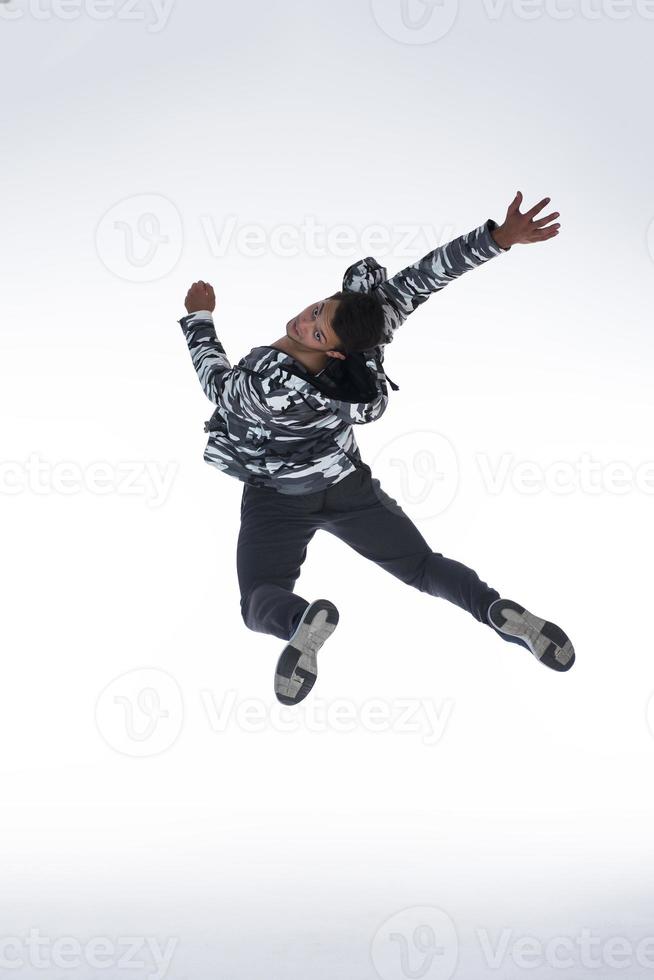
[(207, 353), (406, 291)]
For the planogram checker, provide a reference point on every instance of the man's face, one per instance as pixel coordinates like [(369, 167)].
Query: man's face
[(311, 329)]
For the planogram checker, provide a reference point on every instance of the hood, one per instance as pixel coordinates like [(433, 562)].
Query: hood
[(353, 380)]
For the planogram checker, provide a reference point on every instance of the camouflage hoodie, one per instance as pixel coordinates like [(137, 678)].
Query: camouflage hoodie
[(276, 424)]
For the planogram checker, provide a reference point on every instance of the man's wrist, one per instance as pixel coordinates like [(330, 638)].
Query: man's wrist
[(207, 314), (500, 238)]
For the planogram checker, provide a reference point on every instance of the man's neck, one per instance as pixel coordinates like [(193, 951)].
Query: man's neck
[(313, 361)]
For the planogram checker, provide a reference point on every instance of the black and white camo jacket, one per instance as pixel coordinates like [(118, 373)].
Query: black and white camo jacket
[(277, 425)]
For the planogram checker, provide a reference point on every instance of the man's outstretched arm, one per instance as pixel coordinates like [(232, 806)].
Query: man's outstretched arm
[(207, 353), (406, 291)]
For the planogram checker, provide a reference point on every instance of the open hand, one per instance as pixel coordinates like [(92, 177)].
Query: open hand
[(200, 297), (522, 228)]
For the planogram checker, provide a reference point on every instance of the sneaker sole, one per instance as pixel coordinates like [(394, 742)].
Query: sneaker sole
[(547, 642), (297, 667)]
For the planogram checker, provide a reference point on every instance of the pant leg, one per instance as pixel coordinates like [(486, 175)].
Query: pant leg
[(272, 545), (362, 515)]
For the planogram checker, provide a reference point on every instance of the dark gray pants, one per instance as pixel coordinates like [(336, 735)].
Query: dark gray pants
[(276, 529)]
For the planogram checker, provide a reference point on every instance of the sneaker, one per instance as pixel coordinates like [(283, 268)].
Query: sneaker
[(297, 667), (547, 642)]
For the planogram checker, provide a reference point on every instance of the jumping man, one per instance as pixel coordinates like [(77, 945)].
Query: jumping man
[(284, 425)]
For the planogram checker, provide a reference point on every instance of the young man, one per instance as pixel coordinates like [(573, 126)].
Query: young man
[(283, 425)]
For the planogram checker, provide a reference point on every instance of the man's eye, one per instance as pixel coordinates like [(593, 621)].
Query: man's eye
[(315, 311), (318, 335)]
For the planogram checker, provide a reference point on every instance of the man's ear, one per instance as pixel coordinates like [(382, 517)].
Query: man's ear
[(336, 353)]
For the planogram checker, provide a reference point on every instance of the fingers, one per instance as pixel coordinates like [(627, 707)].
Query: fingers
[(537, 207), (514, 206), (542, 234), (526, 227), (545, 221)]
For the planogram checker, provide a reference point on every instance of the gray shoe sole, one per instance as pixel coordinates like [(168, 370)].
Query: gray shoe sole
[(547, 642), (297, 667)]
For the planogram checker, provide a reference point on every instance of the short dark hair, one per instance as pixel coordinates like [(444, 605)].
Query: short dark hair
[(358, 321)]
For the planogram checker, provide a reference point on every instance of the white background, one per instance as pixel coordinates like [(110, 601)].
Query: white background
[(265, 853)]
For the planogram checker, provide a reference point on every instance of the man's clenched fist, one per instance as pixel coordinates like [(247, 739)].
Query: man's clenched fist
[(200, 297)]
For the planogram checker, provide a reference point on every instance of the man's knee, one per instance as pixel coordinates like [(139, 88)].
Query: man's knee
[(270, 608), (416, 570), (435, 574), (257, 605), (246, 608)]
